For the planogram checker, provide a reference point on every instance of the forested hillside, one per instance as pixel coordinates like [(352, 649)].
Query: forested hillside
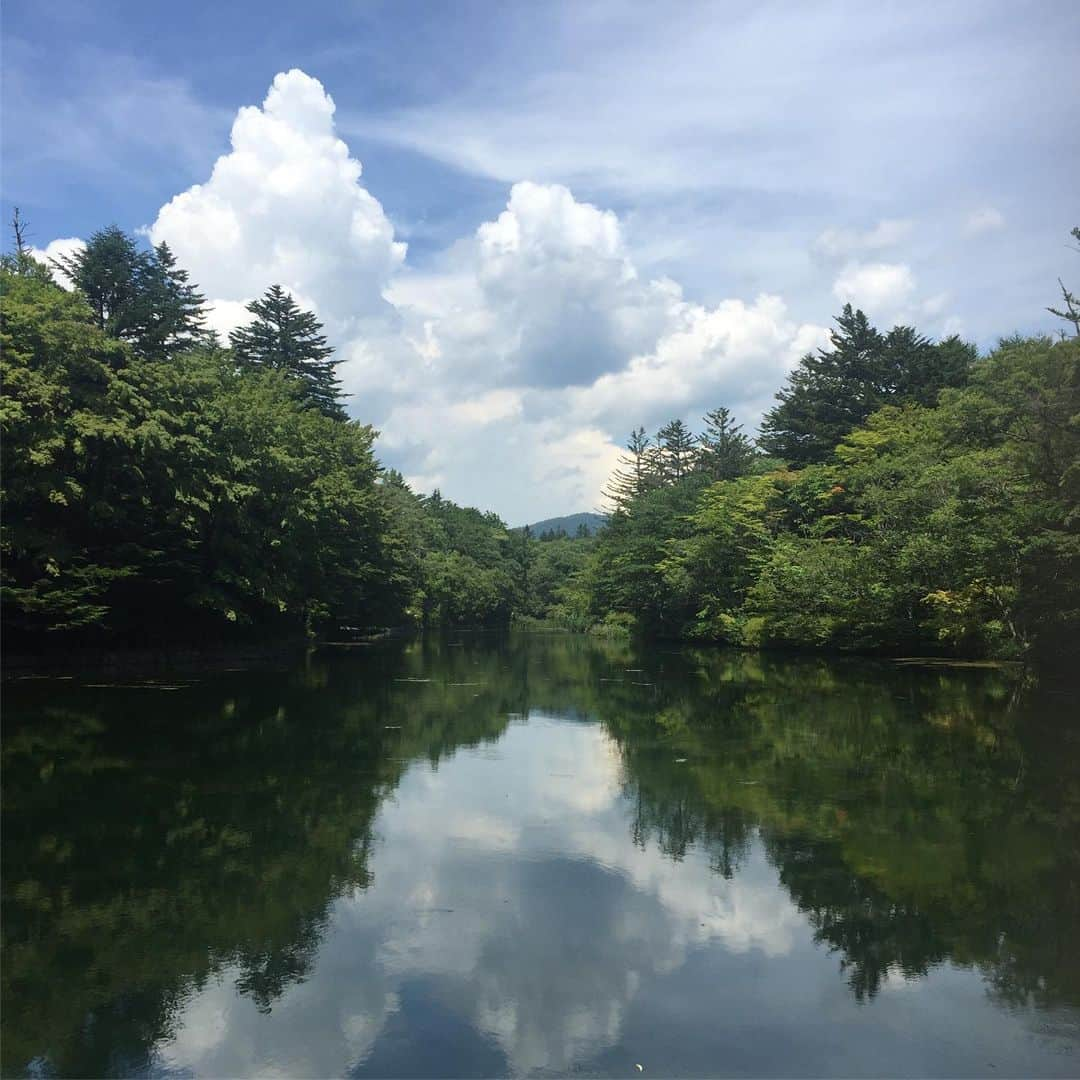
[(904, 496), (161, 485), (576, 525)]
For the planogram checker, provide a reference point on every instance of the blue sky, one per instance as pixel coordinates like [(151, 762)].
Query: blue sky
[(571, 218)]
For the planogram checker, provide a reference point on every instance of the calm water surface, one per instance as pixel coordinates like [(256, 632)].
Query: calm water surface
[(542, 855)]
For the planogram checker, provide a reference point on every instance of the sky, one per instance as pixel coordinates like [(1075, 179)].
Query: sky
[(529, 228)]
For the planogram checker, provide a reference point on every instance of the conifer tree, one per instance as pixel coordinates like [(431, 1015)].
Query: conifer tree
[(136, 296), (725, 451), (283, 337), (177, 319), (678, 447), (836, 389), (635, 473)]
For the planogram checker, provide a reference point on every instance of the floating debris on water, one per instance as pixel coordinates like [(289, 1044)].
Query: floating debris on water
[(130, 686)]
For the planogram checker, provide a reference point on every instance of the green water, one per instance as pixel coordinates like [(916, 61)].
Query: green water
[(542, 855)]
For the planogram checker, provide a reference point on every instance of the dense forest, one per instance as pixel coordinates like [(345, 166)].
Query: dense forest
[(161, 485)]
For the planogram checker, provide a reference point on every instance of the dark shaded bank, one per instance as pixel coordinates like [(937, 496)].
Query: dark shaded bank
[(218, 657), (185, 658), (164, 659)]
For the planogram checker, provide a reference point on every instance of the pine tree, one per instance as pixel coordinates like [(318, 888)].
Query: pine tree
[(635, 474), (678, 449), (177, 307), (285, 338), (834, 391), (827, 394), (109, 271), (914, 369), (139, 297), (726, 452)]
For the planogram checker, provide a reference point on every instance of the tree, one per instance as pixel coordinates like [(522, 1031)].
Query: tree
[(140, 297), (711, 569), (65, 429), (156, 502), (826, 395), (18, 228), (725, 451), (627, 578), (1071, 312), (635, 473), (177, 310), (834, 391), (914, 369), (20, 261), (676, 444), (282, 337), (525, 560)]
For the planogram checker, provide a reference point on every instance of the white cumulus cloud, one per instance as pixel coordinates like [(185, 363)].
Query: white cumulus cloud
[(285, 206), (510, 368), (879, 288), (58, 249)]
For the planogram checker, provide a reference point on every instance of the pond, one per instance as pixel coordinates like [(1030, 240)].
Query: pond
[(542, 854)]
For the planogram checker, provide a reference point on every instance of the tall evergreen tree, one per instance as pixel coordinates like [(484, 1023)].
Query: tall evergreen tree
[(141, 297), (285, 338), (678, 448), (635, 473), (177, 320), (725, 451), (834, 391), (826, 395), (914, 369), (108, 271)]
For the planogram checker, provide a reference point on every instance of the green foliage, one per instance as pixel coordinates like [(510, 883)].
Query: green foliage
[(709, 571), (915, 498), (635, 474), (284, 338), (725, 452), (151, 501), (65, 426), (953, 527), (675, 452), (837, 389), (140, 297), (626, 576)]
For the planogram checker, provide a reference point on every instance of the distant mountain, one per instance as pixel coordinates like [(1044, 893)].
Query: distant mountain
[(568, 524)]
